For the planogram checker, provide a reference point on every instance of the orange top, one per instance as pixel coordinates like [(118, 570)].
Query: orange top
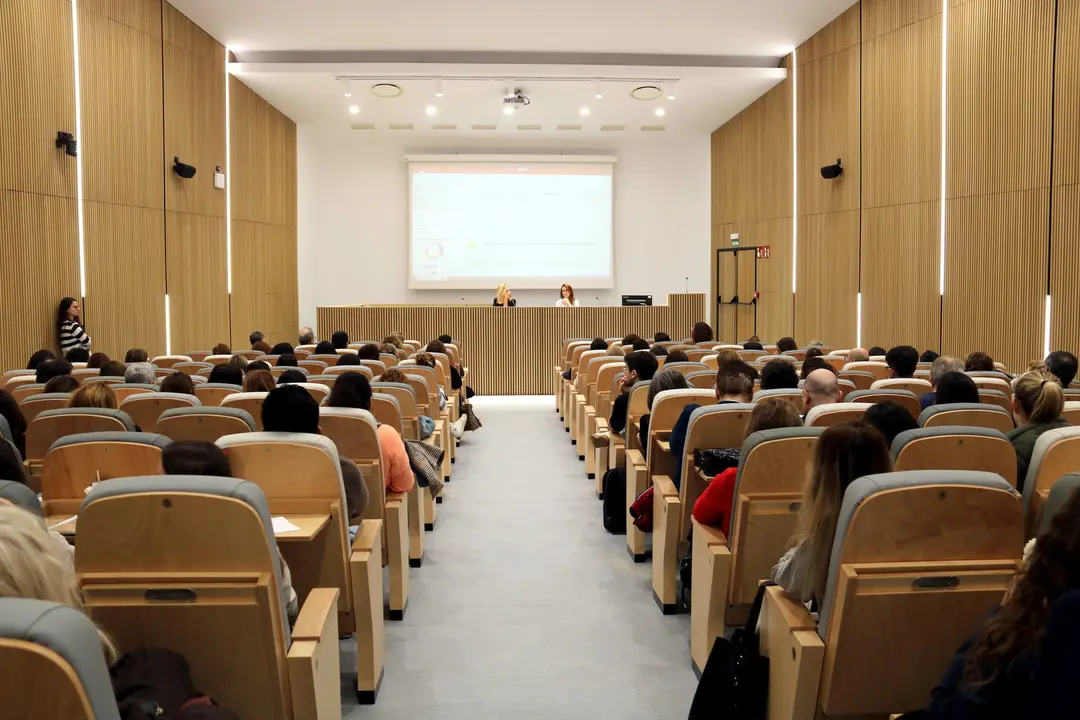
[(399, 474)]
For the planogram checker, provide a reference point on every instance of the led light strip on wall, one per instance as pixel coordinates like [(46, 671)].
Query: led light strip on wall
[(795, 173), (944, 136), (228, 180), (79, 155)]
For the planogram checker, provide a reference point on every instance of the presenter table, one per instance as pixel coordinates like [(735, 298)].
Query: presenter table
[(510, 351)]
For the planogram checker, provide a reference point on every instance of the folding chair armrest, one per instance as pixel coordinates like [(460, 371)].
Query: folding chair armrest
[(709, 534), (365, 571), (602, 425), (634, 457), (664, 486), (709, 591), (313, 660), (789, 639)]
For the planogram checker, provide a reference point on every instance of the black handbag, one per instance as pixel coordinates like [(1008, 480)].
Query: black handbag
[(735, 682), (713, 461)]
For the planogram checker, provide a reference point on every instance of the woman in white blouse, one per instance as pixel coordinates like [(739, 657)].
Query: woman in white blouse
[(566, 297)]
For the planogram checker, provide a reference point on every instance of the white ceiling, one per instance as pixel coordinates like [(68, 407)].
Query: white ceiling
[(714, 56)]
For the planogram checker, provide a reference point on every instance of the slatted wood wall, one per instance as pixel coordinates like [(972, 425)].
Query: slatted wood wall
[(153, 88), (869, 92), (512, 351)]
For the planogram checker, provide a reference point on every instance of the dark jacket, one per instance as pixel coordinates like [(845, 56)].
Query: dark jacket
[(617, 421), (1023, 440), (512, 303), (927, 399), (356, 492), (643, 433)]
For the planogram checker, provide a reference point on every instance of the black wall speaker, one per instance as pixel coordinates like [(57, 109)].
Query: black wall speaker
[(68, 142), (183, 170), (831, 172)]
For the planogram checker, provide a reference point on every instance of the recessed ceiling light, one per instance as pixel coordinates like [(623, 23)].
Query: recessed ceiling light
[(646, 92), (670, 97), (597, 93), (439, 89), (508, 110), (431, 110), (523, 169), (348, 89), (585, 111), (386, 90), (354, 109), (660, 112)]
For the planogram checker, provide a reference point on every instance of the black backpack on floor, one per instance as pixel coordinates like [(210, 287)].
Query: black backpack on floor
[(614, 485)]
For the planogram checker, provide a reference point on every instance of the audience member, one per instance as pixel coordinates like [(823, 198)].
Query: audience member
[(221, 349), (136, 355), (282, 348), (814, 363), (1062, 365), (779, 375), (640, 344), (734, 384), (786, 344), (256, 365), (226, 374), (255, 337), (36, 564), (857, 355), (902, 361), (238, 361), (77, 355), (291, 376), (352, 390), (675, 356), (614, 350), (426, 359), (69, 330), (93, 395), (178, 382), (39, 357), (821, 388), (348, 359), (370, 351), (928, 356), (979, 361), (259, 381), (661, 337), (340, 338), (262, 346), (307, 336), (815, 343), (139, 373), (890, 419), (701, 332), (843, 454), (9, 409), (640, 367), (287, 360), (726, 356), (388, 349), (393, 375), (877, 351), (113, 368), (941, 365), (994, 674), (955, 387), (627, 341), (668, 380), (659, 351), (713, 507), (446, 339), (753, 345), (325, 347), (394, 340), (1038, 400), (49, 369), (813, 352), (97, 360), (61, 384)]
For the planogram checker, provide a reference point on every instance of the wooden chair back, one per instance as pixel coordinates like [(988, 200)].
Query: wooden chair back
[(215, 598), (126, 390), (76, 462), (792, 396), (377, 367), (904, 398), (684, 367), (198, 355), (34, 405), (313, 367), (318, 391), (22, 392), (967, 414), (51, 425), (191, 368), (994, 383), (751, 355), (389, 360), (167, 361), (249, 354), (667, 406), (846, 388), (995, 397), (217, 359), (702, 379), (1056, 454), (837, 363), (879, 370), (145, 408), (327, 359), (407, 405), (1072, 412), (798, 355), (699, 354), (862, 380), (278, 370), (251, 402), (387, 411), (830, 414), (13, 383), (605, 376), (82, 373), (356, 437), (204, 424), (213, 394), (342, 369), (955, 448), (913, 385), (710, 426)]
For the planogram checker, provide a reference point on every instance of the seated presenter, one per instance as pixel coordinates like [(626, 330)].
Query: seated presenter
[(566, 297), (503, 297)]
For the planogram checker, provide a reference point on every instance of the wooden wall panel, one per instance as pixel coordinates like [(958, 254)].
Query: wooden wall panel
[(511, 351), (142, 15), (177, 30), (125, 278), (840, 34), (264, 293), (1065, 238), (995, 284), (1067, 95), (884, 16), (259, 155), (37, 97), (39, 264), (826, 298), (901, 304), (121, 113), (196, 275)]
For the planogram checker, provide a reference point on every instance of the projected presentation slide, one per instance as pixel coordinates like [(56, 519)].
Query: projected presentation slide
[(533, 225)]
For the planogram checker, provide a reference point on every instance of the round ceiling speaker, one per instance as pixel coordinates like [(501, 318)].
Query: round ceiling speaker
[(646, 92), (386, 90)]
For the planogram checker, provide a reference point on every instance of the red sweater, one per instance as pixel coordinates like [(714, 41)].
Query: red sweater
[(713, 508)]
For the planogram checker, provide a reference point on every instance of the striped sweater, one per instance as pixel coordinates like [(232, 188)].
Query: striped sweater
[(73, 336)]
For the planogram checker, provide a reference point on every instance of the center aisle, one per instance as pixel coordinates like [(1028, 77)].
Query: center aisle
[(525, 606)]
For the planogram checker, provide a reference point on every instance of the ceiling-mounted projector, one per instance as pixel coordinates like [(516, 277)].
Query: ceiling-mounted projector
[(516, 100)]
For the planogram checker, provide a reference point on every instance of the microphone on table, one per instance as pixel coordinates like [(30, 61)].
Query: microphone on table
[(598, 300), (687, 283), (462, 299)]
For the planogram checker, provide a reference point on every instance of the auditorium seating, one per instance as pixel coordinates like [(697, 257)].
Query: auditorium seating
[(25, 390), (1072, 412), (792, 396), (878, 369), (915, 386), (861, 379), (967, 414), (125, 390), (251, 402), (386, 409), (1057, 453), (894, 611), (1060, 492), (830, 414), (34, 405), (52, 425), (904, 398), (144, 409), (995, 397), (955, 448), (213, 394), (205, 424), (167, 361)]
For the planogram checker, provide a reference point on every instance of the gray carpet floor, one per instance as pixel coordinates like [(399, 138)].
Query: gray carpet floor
[(525, 606)]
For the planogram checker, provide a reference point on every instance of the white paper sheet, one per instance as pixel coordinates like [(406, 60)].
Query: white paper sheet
[(282, 525)]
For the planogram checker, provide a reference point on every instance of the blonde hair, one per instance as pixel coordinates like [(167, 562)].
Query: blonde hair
[(500, 294), (615, 350), (393, 375), (843, 454), (726, 356), (259, 381), (1040, 395), (93, 395), (32, 567)]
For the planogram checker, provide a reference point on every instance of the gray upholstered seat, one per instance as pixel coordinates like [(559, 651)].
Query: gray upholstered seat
[(134, 399), (71, 635), (854, 397), (19, 494), (206, 410), (988, 373), (221, 386), (761, 437), (777, 392), (935, 409), (120, 415), (149, 387), (5, 430), (400, 386), (47, 396), (910, 436), (680, 366), (243, 490), (865, 487), (1043, 447), (137, 438), (1059, 495)]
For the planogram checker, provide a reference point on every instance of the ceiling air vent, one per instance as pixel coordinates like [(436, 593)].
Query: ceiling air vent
[(653, 128), (528, 127), (612, 128), (362, 126), (569, 127), (401, 126), (484, 127), (444, 126)]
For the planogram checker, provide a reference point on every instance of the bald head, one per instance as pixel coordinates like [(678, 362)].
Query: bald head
[(820, 388), (858, 355)]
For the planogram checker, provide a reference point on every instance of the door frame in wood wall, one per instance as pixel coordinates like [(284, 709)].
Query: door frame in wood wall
[(720, 303)]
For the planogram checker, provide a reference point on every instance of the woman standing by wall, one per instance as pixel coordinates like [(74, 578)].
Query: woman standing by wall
[(69, 327)]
